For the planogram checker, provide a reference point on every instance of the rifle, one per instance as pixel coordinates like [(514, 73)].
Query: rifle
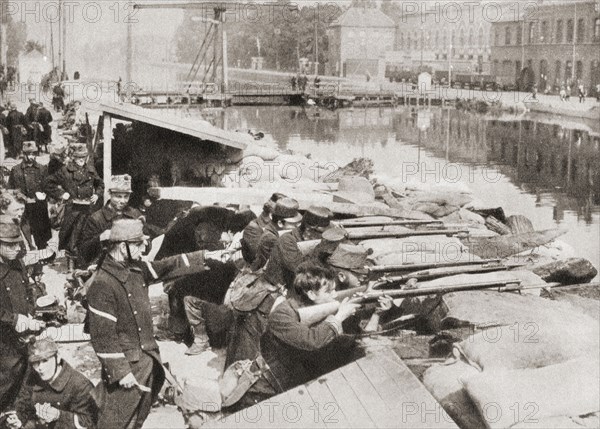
[(425, 266), (358, 236), (316, 313), (356, 223), (443, 272)]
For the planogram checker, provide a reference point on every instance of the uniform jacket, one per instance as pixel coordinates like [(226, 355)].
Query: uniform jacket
[(30, 113), (119, 309), (28, 179), (267, 240), (71, 393), (14, 119), (14, 300), (291, 348), (80, 183), (89, 244), (284, 260)]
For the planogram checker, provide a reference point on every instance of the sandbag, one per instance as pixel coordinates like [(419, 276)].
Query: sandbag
[(530, 344), (444, 383), (562, 422), (444, 198), (505, 398), (464, 215)]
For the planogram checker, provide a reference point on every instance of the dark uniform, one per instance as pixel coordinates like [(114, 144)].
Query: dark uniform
[(71, 393), (89, 242), (122, 334), (267, 241), (296, 353), (17, 130), (30, 116), (14, 300), (251, 237), (44, 118), (284, 260), (30, 179), (81, 183)]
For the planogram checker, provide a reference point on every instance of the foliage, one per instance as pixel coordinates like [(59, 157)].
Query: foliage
[(33, 45), (284, 30)]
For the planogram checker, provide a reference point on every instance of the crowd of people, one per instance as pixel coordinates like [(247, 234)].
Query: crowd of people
[(234, 281)]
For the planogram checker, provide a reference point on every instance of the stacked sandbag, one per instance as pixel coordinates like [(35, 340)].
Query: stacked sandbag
[(444, 383), (422, 248), (507, 398)]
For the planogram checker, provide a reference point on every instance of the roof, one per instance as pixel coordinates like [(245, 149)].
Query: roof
[(191, 127), (364, 17)]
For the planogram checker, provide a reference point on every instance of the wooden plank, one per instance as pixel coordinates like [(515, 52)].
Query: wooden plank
[(347, 401), (309, 410), (257, 196), (329, 410), (368, 396), (421, 408)]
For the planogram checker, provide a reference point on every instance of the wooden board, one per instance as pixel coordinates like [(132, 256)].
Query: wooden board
[(257, 197), (377, 391)]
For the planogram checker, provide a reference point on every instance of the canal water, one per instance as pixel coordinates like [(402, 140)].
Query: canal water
[(546, 168)]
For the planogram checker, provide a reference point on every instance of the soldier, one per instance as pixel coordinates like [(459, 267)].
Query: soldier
[(284, 216), (286, 256), (254, 301), (58, 157), (44, 118), (79, 185), (16, 308), (17, 128), (58, 97), (29, 177), (121, 323), (12, 206), (252, 232), (116, 208), (293, 351), (30, 115), (61, 397)]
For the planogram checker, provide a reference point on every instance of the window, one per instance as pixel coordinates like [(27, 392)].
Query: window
[(401, 40), (557, 67), (580, 31), (531, 33), (597, 30), (507, 36), (578, 70), (544, 32), (480, 38), (519, 34), (559, 31), (470, 37), (570, 31), (569, 70), (462, 37)]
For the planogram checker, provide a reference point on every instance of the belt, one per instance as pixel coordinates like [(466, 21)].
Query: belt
[(265, 371)]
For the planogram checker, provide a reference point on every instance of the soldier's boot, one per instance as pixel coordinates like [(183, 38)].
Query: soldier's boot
[(201, 343)]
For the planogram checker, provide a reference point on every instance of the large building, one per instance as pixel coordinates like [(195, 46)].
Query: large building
[(442, 36), (358, 40), (557, 45)]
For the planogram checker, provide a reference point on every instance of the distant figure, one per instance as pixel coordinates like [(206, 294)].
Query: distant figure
[(534, 91), (44, 118), (563, 94), (317, 82), (293, 82), (58, 100), (76, 75), (568, 94), (17, 129), (581, 92)]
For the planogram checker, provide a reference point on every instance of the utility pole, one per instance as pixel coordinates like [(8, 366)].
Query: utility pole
[(52, 45), (450, 67), (316, 40), (64, 36), (129, 60), (421, 70), (60, 47)]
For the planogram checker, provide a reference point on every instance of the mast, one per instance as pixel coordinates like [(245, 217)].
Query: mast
[(60, 52), (64, 35)]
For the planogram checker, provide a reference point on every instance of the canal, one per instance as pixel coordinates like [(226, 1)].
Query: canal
[(547, 168)]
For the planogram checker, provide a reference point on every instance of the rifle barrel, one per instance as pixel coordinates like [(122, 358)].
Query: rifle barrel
[(356, 224), (424, 266), (390, 234)]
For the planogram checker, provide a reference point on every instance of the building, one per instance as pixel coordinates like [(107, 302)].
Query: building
[(441, 36), (33, 66), (558, 45), (358, 40)]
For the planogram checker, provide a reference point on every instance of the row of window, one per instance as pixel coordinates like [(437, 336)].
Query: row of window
[(542, 33), (562, 71), (439, 39)]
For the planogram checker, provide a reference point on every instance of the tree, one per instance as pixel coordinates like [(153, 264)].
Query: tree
[(34, 45)]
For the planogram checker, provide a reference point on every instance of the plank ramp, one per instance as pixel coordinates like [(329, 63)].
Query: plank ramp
[(377, 391)]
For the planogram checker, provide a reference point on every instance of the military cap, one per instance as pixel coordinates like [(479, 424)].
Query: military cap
[(349, 257), (29, 147), (120, 183), (42, 349), (57, 148), (287, 208), (79, 151), (9, 231), (318, 217), (130, 230)]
